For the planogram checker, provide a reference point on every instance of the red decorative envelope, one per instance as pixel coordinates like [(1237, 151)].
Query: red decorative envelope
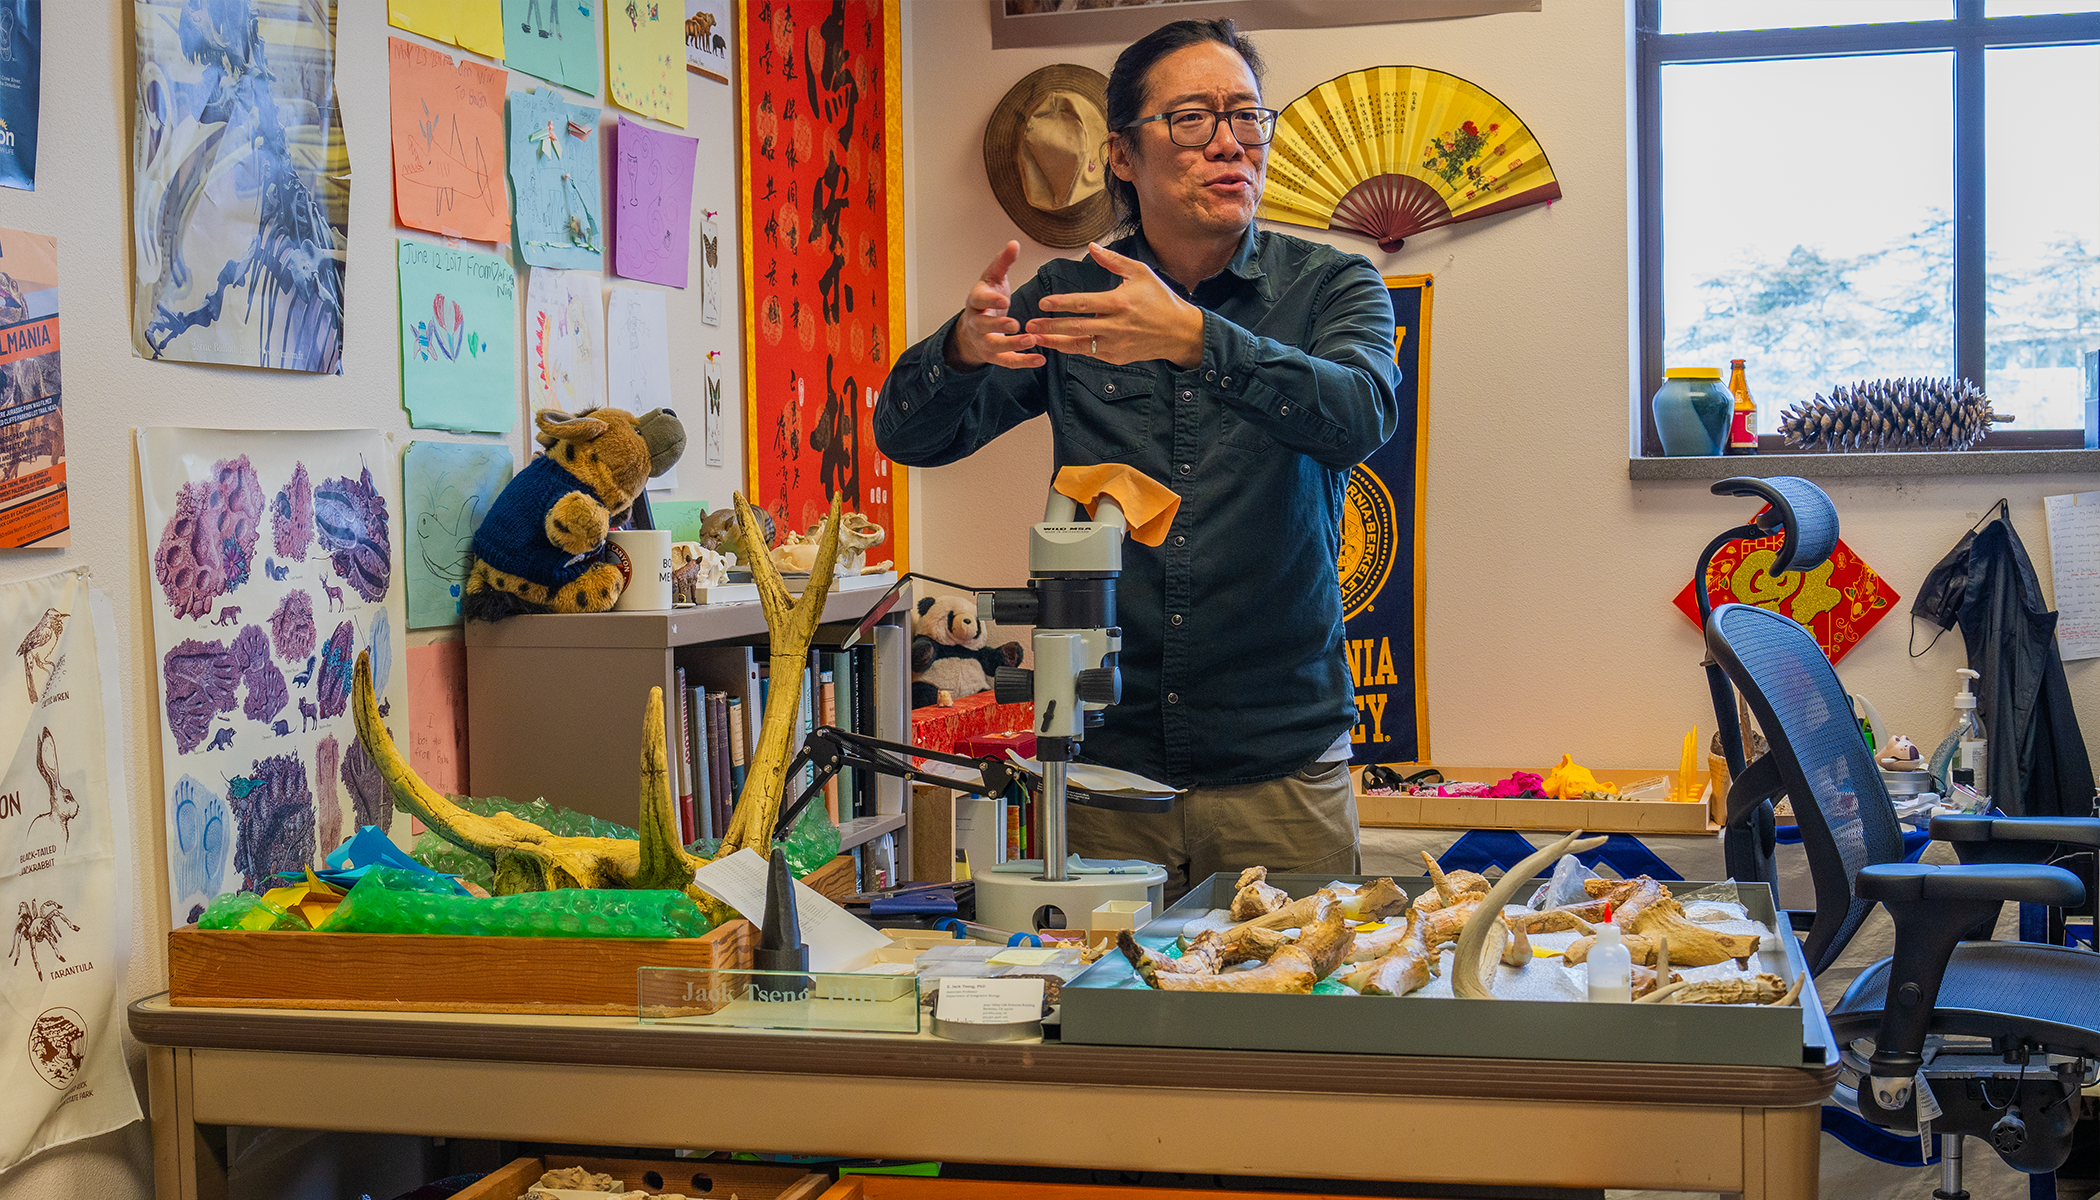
[(1838, 601)]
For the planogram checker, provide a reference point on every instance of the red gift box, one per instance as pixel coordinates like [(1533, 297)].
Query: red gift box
[(944, 729)]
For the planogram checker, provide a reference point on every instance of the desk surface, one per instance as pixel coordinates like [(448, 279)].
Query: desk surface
[(617, 1042)]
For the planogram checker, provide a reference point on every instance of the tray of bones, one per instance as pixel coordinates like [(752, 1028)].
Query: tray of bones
[(1377, 965)]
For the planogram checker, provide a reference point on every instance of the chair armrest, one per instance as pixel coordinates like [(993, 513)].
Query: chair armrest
[(1933, 907), (1893, 883), (2015, 839)]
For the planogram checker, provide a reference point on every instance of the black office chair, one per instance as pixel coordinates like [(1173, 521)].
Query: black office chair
[(2005, 1033)]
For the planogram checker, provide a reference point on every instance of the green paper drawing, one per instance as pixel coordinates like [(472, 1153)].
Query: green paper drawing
[(556, 40), (447, 488), (459, 339), (554, 182)]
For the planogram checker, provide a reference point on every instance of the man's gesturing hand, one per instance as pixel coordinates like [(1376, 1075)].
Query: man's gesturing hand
[(1141, 319), (984, 333)]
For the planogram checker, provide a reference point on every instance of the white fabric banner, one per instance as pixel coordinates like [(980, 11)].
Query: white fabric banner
[(63, 848)]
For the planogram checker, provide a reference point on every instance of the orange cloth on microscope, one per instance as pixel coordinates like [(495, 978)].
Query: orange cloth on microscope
[(1148, 505)]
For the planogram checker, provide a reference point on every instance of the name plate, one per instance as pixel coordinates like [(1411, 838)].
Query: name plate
[(811, 1000)]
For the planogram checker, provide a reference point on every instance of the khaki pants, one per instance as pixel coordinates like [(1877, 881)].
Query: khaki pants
[(1303, 822)]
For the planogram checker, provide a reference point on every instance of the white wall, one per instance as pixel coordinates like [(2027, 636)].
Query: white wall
[(1550, 575), (82, 197)]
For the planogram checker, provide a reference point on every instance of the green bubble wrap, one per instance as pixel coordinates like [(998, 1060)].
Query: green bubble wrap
[(813, 842), (246, 910), (390, 901)]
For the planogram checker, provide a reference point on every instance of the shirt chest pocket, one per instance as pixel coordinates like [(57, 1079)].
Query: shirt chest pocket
[(1107, 411)]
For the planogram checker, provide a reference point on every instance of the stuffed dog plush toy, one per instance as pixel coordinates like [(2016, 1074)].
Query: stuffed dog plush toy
[(541, 549)]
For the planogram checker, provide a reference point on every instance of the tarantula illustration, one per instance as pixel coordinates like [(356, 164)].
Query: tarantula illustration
[(39, 921)]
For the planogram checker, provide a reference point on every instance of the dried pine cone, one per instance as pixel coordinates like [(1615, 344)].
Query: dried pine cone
[(1892, 415)]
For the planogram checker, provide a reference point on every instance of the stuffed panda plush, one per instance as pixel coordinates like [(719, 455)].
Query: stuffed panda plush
[(948, 653)]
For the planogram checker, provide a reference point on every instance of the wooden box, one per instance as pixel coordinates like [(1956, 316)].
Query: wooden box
[(834, 880), (690, 1177), (230, 968), (909, 1187), (1592, 816)]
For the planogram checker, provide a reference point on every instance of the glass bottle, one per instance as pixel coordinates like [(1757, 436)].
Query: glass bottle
[(1742, 431)]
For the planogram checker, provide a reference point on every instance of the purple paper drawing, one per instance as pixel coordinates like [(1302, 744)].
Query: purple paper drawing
[(275, 811), (292, 629), (292, 518), (328, 807), (202, 682), (374, 805), (351, 518), (206, 547), (333, 686), (652, 203)]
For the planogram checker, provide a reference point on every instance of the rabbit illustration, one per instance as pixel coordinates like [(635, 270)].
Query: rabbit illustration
[(63, 806)]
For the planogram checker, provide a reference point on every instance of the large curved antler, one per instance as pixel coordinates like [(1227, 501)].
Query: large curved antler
[(792, 624)]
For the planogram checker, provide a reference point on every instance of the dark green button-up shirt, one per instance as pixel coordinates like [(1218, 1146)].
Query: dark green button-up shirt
[(1233, 666)]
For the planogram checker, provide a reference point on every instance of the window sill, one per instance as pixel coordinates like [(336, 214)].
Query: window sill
[(1855, 466)]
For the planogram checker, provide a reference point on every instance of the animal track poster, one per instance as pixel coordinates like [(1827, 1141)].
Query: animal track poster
[(448, 143), (653, 203), (273, 567), (65, 874), (554, 175), (240, 203), (820, 242), (448, 487), (557, 40), (459, 339), (645, 57), (33, 501), (564, 340)]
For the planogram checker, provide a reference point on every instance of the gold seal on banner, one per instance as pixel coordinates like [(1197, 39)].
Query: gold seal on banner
[(1370, 540)]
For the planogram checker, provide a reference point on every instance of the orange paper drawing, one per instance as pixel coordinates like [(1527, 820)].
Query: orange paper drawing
[(437, 715), (448, 143)]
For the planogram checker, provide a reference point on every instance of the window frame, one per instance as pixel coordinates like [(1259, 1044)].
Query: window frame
[(1967, 34)]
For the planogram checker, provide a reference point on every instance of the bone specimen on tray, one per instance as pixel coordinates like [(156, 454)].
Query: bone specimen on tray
[(1485, 924), (1629, 897), (1451, 886), (1406, 966), (1256, 898), (1374, 901), (1691, 944), (1313, 956), (1761, 988), (1249, 944), (1198, 957)]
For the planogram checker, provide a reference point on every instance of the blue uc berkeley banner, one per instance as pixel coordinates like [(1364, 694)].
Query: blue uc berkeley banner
[(1381, 563)]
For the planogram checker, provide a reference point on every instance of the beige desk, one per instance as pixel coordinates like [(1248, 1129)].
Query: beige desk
[(1751, 1130)]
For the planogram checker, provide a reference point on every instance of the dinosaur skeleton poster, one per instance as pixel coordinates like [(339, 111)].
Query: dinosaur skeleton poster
[(240, 185), (63, 882), (273, 567)]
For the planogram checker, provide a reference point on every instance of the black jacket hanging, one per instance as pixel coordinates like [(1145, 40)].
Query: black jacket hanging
[(2038, 764)]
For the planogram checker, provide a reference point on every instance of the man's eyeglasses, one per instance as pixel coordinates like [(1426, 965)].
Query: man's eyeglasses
[(1194, 128)]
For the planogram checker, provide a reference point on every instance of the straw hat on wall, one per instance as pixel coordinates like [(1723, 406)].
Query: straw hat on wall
[(1046, 152)]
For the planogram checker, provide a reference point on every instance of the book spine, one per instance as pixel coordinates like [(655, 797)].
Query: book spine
[(736, 748), (841, 664), (808, 722), (682, 770), (718, 750), (863, 659), (694, 702), (828, 714)]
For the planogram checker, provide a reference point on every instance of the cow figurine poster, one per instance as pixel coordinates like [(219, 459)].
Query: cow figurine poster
[(821, 239)]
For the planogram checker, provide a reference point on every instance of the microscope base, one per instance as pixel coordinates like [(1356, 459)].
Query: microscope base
[(1010, 895)]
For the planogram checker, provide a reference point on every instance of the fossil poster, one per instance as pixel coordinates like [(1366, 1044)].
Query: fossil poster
[(65, 882), (33, 499), (274, 563), (240, 185)]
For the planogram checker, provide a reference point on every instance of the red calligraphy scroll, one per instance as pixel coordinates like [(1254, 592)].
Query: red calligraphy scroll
[(819, 133)]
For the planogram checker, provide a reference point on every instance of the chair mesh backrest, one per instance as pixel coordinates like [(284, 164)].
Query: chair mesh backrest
[(1846, 819)]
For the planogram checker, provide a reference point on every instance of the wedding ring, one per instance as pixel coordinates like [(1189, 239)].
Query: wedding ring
[(1093, 346)]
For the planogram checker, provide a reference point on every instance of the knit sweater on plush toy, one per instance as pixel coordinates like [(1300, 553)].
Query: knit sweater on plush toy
[(511, 537)]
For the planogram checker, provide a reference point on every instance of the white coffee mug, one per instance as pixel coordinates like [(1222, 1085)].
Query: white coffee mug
[(648, 568)]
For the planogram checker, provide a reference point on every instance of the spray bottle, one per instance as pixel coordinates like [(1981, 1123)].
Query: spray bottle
[(1964, 749)]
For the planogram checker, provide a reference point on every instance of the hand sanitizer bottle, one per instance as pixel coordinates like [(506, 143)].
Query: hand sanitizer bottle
[(1964, 747), (1611, 968)]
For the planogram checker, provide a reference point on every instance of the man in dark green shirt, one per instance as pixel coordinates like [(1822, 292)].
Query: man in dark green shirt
[(1246, 370)]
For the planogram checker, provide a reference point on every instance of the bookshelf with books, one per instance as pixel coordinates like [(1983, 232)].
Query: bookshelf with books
[(554, 706)]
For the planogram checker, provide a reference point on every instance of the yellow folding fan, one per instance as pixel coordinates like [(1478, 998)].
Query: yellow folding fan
[(1391, 151)]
